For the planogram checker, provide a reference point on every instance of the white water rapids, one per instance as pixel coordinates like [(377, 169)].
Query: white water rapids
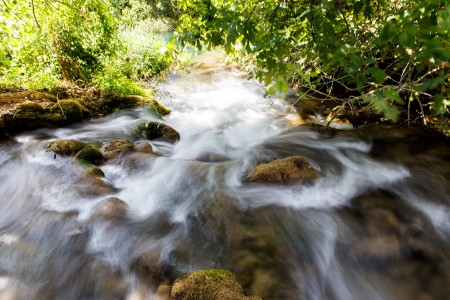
[(375, 225)]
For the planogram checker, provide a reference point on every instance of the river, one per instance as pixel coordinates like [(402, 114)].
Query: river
[(375, 225)]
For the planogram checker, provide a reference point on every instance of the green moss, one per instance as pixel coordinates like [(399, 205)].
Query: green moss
[(52, 118), (66, 147), (209, 284), (91, 154), (215, 274), (42, 96), (158, 107), (71, 110), (30, 106), (91, 169)]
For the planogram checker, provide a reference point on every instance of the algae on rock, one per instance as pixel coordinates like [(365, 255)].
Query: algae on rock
[(214, 284)]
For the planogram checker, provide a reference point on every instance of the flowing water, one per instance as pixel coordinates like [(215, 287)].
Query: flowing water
[(375, 225)]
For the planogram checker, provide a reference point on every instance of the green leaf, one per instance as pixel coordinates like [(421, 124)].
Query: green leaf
[(377, 74)]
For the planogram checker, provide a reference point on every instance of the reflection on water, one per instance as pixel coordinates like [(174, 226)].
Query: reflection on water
[(376, 225)]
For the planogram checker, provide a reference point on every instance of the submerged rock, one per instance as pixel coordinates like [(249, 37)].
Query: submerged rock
[(143, 147), (376, 249), (111, 208), (291, 169), (113, 149), (209, 284), (158, 131)]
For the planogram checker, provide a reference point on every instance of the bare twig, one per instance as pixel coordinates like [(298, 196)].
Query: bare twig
[(60, 107), (34, 14)]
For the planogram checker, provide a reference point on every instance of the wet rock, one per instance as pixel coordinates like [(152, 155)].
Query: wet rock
[(292, 169), (152, 269), (90, 169), (143, 147), (113, 149), (29, 107), (30, 110), (264, 283), (109, 103), (111, 208), (209, 284), (212, 157), (94, 186), (377, 249), (158, 131), (66, 147), (71, 111), (163, 291), (90, 153)]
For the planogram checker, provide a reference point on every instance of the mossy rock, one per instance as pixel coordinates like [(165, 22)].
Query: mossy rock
[(211, 284), (90, 153), (66, 147), (90, 169), (71, 110), (158, 131), (30, 106), (113, 149), (158, 107), (40, 96), (110, 103), (293, 169)]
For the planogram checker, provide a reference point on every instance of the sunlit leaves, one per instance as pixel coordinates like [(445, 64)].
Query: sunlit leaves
[(377, 51)]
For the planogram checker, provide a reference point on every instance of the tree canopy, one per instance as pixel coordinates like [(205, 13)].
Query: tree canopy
[(384, 53)]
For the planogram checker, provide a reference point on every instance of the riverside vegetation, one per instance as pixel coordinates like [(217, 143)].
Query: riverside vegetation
[(367, 60)]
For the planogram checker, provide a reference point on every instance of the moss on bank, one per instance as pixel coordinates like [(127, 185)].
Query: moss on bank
[(20, 111)]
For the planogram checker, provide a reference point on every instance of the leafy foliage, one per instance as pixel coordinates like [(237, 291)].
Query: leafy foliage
[(378, 52), (66, 39)]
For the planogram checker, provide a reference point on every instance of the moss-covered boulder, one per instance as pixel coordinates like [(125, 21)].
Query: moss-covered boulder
[(293, 169), (29, 106), (72, 111), (90, 169), (110, 103), (91, 154), (158, 131), (113, 149), (211, 284), (66, 147)]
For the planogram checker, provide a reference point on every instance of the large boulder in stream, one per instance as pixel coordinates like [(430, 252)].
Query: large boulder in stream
[(293, 169), (209, 284), (66, 147), (158, 131), (81, 150)]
